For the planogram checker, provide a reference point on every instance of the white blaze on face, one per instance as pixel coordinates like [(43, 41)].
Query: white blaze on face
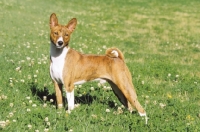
[(60, 39)]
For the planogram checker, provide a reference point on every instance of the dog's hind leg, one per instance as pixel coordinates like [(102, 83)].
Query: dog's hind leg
[(125, 85), (120, 95)]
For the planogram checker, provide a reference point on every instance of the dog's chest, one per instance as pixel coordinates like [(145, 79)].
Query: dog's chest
[(57, 63)]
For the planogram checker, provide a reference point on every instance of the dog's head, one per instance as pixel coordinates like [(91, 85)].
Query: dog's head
[(60, 34)]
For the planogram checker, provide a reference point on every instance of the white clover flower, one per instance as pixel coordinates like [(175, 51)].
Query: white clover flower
[(22, 80), (28, 110), (46, 130), (107, 110), (30, 101), (51, 100), (44, 105), (28, 58), (46, 119), (162, 105), (34, 105), (92, 88), (142, 82), (28, 97), (169, 75), (29, 126), (11, 104), (3, 96), (44, 98), (76, 105), (18, 68), (177, 76), (48, 123), (29, 76), (2, 124)]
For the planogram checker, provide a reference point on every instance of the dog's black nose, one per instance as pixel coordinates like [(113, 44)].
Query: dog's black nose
[(60, 43)]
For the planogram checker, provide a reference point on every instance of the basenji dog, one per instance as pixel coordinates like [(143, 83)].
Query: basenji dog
[(69, 67)]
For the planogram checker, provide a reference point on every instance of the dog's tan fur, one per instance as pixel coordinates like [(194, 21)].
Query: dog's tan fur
[(77, 67)]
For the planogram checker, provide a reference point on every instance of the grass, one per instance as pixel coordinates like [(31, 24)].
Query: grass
[(160, 41)]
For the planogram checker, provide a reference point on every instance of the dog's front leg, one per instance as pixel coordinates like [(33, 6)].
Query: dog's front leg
[(69, 87), (58, 89), (70, 99)]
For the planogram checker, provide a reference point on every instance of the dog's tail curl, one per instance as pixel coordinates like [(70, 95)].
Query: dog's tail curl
[(114, 53)]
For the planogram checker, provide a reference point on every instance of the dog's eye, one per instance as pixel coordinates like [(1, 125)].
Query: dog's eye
[(56, 33), (66, 34)]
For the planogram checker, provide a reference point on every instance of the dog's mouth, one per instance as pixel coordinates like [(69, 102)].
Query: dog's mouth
[(60, 45)]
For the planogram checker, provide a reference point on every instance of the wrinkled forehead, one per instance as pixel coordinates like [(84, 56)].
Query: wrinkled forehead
[(61, 28)]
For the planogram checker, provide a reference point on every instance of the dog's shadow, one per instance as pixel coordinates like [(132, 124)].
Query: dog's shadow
[(41, 93)]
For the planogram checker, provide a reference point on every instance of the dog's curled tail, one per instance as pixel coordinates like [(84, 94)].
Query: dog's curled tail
[(114, 53)]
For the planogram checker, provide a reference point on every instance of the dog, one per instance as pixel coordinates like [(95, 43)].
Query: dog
[(68, 67)]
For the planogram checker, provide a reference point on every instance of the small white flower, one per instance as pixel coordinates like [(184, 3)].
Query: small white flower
[(18, 68), (44, 105), (35, 76), (22, 80), (142, 82), (28, 58), (107, 110), (34, 105), (46, 119), (92, 88), (76, 105), (3, 96), (11, 104), (28, 97), (48, 123), (99, 84), (29, 76), (162, 105), (11, 114), (29, 126), (177, 76), (51, 100), (30, 101), (169, 75), (37, 131), (14, 120), (28, 110), (46, 130), (44, 98)]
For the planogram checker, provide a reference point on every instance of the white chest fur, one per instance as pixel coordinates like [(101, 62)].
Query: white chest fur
[(57, 62)]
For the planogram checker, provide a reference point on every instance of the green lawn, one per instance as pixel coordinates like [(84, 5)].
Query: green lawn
[(161, 44)]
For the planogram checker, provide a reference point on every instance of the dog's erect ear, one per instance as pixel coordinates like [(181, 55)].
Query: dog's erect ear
[(72, 24), (53, 20)]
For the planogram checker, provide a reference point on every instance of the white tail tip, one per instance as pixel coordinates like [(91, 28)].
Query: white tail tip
[(115, 53)]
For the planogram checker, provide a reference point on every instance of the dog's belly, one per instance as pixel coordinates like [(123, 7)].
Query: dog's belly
[(97, 79)]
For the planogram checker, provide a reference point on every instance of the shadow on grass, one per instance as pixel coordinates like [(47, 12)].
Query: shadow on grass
[(39, 93)]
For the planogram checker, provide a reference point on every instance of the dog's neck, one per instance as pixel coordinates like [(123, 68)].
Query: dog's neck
[(58, 53)]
